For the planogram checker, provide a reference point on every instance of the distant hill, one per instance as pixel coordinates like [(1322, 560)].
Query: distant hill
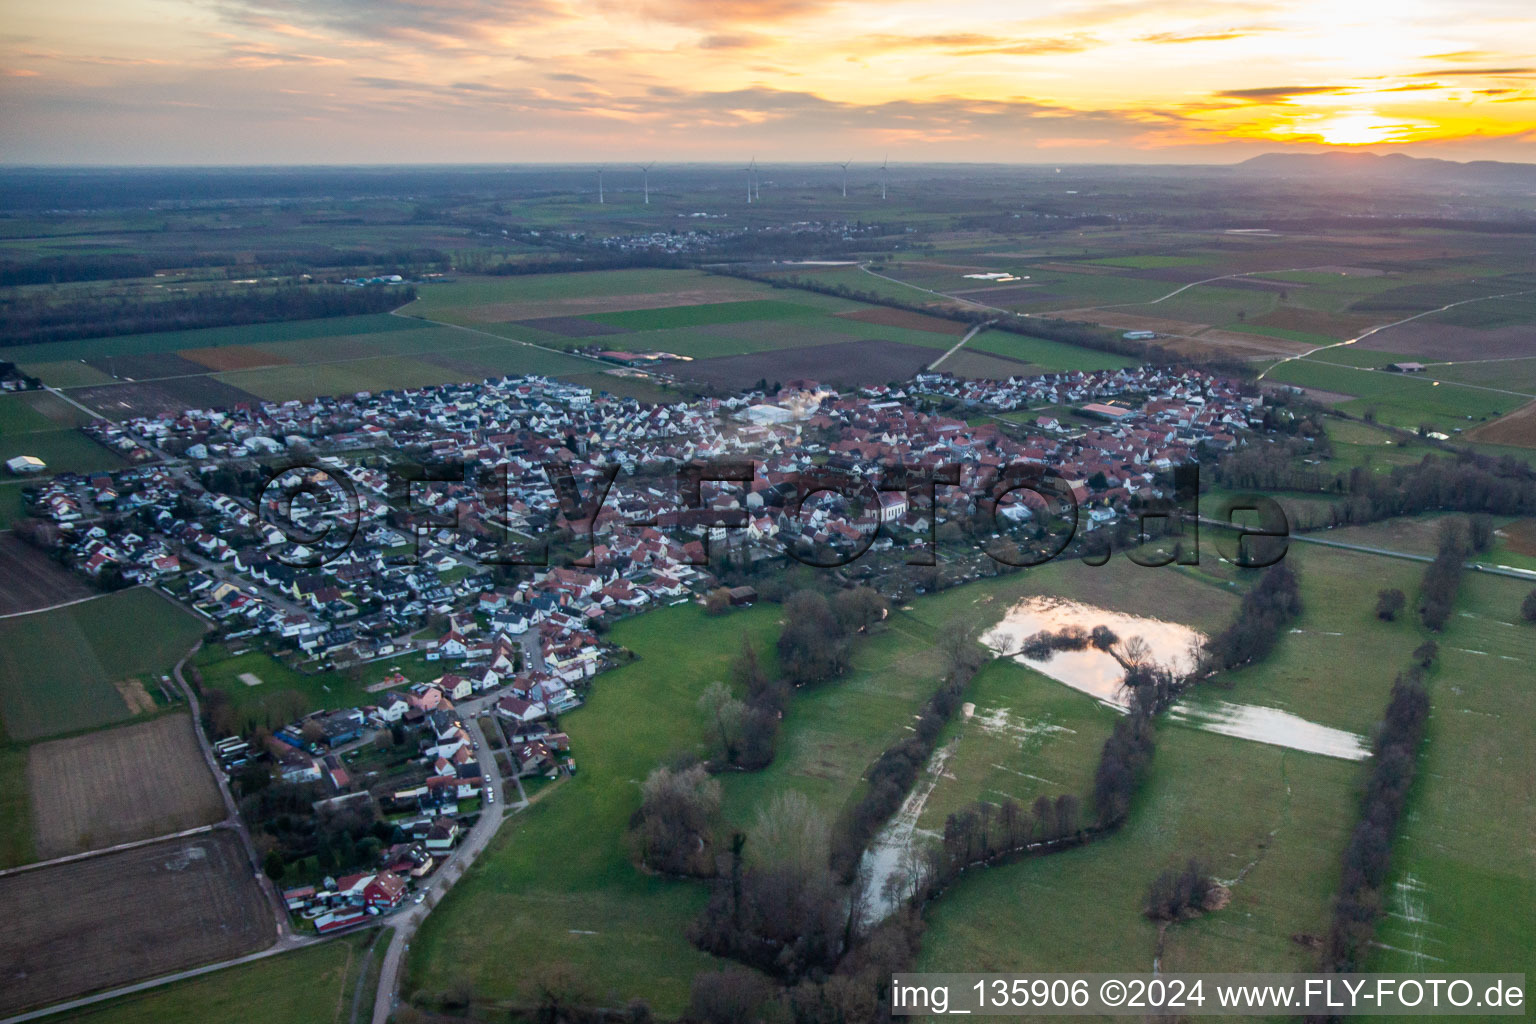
[(1395, 166)]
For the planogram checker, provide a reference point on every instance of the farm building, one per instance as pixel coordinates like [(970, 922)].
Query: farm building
[(1139, 335), (25, 465), (1406, 367)]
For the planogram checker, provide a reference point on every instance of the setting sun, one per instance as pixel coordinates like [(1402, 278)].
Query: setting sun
[(1358, 128)]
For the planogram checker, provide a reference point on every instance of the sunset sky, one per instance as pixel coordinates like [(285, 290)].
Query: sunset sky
[(440, 81)]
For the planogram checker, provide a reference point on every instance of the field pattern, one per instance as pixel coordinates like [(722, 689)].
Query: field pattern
[(124, 916), (118, 785), (58, 668)]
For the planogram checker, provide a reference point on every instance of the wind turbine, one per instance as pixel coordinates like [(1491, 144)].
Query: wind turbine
[(600, 186), (844, 166), (757, 183), (883, 167), (645, 178), (749, 168)]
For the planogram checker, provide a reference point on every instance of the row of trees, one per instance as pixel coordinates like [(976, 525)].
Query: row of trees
[(1367, 857), (1466, 482), (43, 318), (897, 768), (1265, 610), (1442, 579)]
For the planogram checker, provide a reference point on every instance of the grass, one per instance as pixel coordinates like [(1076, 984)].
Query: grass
[(16, 846), (221, 671), (702, 315), (64, 451), (1052, 356), (1030, 736), (307, 986), (1338, 627), (558, 884), (57, 668), (1405, 400), (833, 732), (1274, 818), (1464, 873)]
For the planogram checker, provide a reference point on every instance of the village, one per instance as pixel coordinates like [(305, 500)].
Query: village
[(362, 805)]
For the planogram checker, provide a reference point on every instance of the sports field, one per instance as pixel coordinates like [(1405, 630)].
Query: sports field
[(80, 667)]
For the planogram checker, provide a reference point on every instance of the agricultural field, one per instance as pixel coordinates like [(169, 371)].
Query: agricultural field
[(89, 664), (43, 425), (125, 916), (315, 985), (30, 580), (117, 785), (16, 843), (1402, 399)]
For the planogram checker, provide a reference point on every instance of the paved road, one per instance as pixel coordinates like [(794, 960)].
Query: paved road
[(1366, 549), (406, 922)]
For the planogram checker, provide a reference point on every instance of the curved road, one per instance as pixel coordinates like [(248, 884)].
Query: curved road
[(407, 921)]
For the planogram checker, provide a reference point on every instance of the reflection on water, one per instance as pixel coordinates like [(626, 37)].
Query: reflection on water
[(1092, 671), (1272, 726)]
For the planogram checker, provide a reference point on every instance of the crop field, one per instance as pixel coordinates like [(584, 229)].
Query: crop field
[(1051, 356), (29, 579), (902, 318), (117, 785), (1518, 429), (1463, 868), (849, 364), (40, 424), (16, 844), (122, 917), (59, 669), (1428, 341), (314, 985), (1402, 399)]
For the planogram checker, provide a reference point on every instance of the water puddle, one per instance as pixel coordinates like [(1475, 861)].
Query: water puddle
[(1273, 726)]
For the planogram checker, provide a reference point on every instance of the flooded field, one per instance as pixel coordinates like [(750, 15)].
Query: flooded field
[(1272, 726), (1099, 673), (1094, 672)]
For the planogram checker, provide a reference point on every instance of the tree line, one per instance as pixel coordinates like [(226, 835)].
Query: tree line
[(1265, 610), (1442, 577), (30, 320), (1360, 901)]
